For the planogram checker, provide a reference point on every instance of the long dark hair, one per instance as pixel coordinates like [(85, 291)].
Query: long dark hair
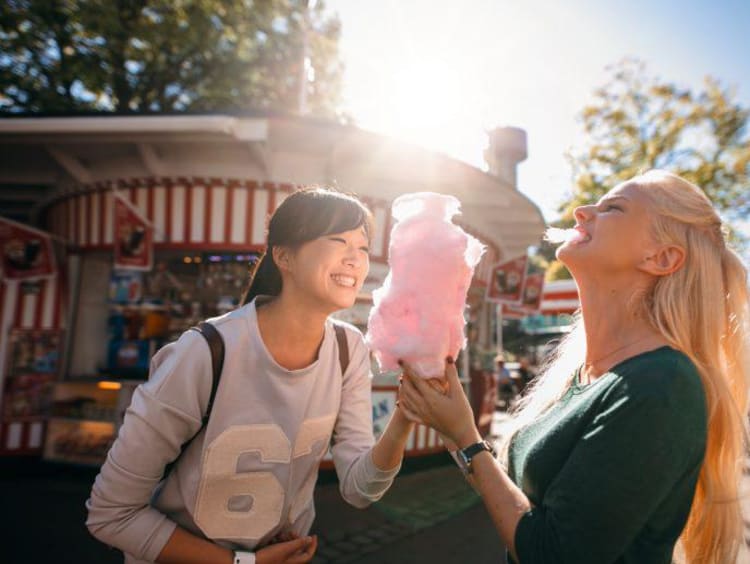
[(304, 216)]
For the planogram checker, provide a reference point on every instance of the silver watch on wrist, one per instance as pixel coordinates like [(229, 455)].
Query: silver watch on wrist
[(464, 456), (243, 557)]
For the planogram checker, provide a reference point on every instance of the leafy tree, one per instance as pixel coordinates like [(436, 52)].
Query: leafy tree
[(167, 55), (637, 122)]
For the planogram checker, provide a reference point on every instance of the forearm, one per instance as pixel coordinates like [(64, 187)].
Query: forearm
[(505, 501), (186, 548), (389, 450)]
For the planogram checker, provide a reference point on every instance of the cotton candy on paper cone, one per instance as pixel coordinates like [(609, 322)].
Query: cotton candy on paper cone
[(418, 312)]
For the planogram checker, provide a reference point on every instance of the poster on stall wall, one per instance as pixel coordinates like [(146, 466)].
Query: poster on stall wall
[(26, 252), (134, 237), (532, 292), (507, 280)]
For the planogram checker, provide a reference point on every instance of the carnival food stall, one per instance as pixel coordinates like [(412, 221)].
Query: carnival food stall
[(199, 190)]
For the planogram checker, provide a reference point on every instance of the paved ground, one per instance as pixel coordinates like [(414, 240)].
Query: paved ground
[(429, 515)]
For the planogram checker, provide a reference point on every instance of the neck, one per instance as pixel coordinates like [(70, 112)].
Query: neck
[(614, 331), (285, 318)]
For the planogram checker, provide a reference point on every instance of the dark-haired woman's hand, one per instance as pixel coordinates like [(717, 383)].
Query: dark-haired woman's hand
[(297, 551), (449, 414)]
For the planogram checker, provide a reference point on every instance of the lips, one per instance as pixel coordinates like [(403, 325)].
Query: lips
[(578, 235), (344, 280)]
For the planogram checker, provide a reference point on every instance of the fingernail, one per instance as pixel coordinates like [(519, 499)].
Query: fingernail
[(449, 359)]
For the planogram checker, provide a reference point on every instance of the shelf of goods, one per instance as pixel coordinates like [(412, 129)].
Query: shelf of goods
[(85, 418)]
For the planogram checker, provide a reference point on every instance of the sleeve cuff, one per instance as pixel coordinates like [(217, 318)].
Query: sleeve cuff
[(159, 539), (376, 474)]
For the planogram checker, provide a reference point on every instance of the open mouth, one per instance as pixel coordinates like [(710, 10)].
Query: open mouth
[(574, 236), (344, 280), (577, 236)]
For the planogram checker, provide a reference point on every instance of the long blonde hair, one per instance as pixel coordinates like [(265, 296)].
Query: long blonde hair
[(702, 310)]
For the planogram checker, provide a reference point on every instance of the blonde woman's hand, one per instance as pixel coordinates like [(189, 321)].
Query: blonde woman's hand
[(449, 414), (296, 551)]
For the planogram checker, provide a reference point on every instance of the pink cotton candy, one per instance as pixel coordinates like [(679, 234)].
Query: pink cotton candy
[(418, 312)]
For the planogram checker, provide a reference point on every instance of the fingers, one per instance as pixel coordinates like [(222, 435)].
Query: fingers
[(284, 537), (300, 550), (307, 553), (409, 400), (439, 385), (451, 374), (411, 396), (409, 414), (411, 376)]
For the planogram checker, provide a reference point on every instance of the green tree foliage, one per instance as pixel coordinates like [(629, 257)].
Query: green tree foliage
[(167, 55), (556, 271), (637, 122)]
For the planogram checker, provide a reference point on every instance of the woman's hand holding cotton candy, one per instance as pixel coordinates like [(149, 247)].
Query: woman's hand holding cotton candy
[(418, 313), (449, 414)]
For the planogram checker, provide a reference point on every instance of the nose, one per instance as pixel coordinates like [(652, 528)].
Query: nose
[(353, 256), (583, 213)]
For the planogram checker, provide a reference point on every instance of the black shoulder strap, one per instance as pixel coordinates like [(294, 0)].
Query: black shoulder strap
[(216, 346), (343, 347)]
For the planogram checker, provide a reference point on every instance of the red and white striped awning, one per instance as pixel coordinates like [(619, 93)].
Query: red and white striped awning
[(560, 297)]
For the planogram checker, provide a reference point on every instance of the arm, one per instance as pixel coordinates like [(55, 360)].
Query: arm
[(451, 415), (365, 470), (163, 414), (643, 448), (388, 451)]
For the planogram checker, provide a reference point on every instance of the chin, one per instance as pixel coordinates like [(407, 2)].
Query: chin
[(341, 304)]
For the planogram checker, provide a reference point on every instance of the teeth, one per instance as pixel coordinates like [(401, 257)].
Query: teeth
[(580, 237), (344, 280)]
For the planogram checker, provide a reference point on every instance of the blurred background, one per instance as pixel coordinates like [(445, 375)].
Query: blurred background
[(143, 143)]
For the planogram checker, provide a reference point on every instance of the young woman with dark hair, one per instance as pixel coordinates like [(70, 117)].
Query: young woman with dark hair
[(242, 491)]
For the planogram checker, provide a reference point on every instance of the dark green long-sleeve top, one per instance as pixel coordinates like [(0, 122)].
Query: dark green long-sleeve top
[(611, 469)]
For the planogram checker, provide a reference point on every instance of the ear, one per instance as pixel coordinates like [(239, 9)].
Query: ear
[(663, 260), (282, 256)]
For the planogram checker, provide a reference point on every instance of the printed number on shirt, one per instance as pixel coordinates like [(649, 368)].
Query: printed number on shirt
[(247, 505)]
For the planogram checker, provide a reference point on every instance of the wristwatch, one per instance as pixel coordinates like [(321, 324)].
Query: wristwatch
[(243, 557), (464, 456)]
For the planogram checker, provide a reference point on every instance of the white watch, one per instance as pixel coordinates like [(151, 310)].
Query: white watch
[(243, 557)]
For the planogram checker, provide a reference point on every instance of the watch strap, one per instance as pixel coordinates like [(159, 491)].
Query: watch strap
[(465, 455), (243, 557)]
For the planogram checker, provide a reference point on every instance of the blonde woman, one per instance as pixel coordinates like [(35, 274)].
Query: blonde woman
[(629, 448)]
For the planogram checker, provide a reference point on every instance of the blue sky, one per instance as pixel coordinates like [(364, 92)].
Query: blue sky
[(439, 73)]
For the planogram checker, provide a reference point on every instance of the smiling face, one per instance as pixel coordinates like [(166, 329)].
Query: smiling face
[(327, 272), (614, 235)]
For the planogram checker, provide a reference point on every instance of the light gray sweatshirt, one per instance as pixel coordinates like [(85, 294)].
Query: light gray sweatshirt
[(249, 475)]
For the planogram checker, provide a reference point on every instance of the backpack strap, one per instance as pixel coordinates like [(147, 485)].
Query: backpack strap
[(216, 346), (343, 347)]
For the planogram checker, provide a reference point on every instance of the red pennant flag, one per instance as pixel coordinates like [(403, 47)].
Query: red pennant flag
[(134, 237), (26, 252), (532, 291), (506, 281)]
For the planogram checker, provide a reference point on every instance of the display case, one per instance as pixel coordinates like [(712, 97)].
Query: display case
[(84, 420)]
